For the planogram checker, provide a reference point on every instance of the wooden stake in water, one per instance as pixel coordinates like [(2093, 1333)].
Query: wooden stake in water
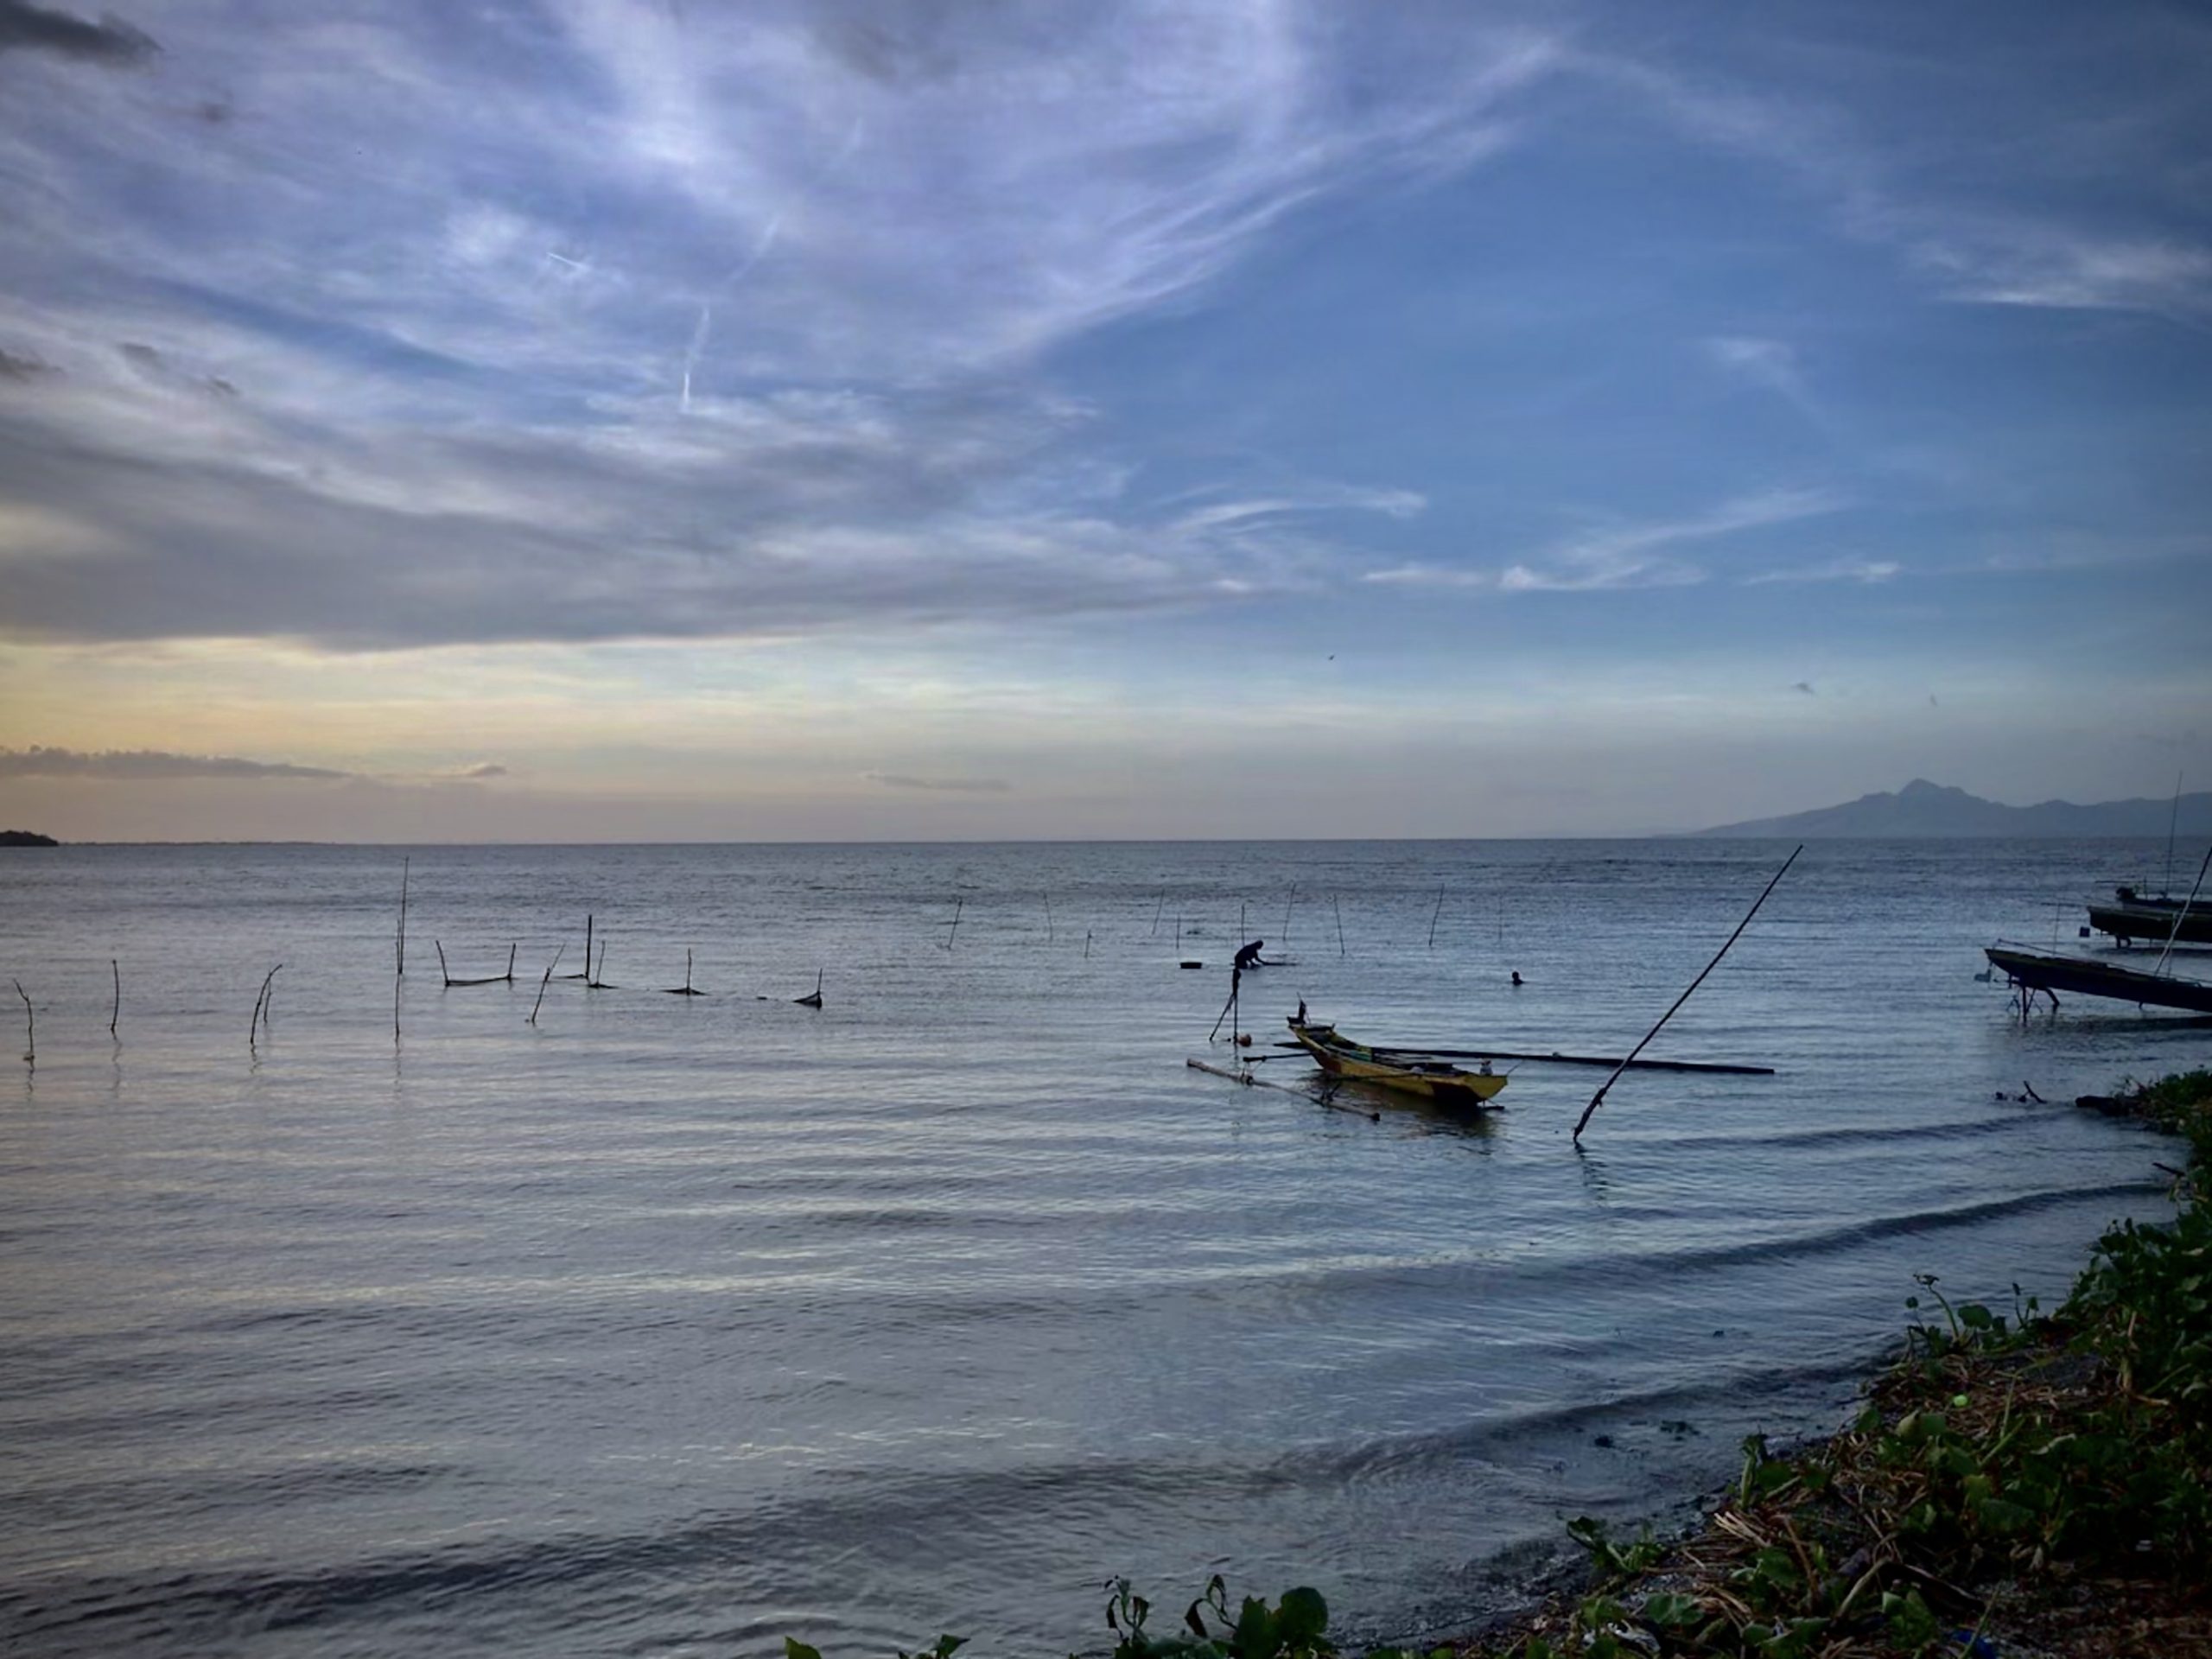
[(1339, 909), (1599, 1099), (30, 1025), (116, 1013), (952, 930), (543, 983), (400, 945), (1433, 915), (1284, 944), (1156, 911), (1048, 918)]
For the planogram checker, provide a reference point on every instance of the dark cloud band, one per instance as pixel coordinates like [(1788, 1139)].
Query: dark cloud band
[(140, 766), (110, 41)]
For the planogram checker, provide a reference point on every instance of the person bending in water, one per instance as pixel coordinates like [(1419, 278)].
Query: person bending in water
[(1249, 956)]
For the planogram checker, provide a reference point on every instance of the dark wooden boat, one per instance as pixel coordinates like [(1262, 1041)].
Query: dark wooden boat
[(2137, 918), (1438, 1080), (2048, 972)]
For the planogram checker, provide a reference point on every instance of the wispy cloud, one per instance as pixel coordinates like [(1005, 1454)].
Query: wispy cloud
[(1621, 555), (1313, 497), (662, 322), (1963, 230), (1770, 364), (1644, 555), (948, 785), (1419, 573), (143, 765), (1864, 570), (2014, 261)]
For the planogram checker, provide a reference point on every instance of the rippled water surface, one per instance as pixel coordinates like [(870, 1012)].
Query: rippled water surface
[(678, 1325)]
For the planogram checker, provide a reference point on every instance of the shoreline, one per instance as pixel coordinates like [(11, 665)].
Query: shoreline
[(2027, 1486)]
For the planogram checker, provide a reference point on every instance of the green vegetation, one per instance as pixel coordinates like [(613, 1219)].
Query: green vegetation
[(2043, 1481), (2043, 1478)]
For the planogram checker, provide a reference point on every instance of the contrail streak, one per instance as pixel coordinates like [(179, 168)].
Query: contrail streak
[(736, 274)]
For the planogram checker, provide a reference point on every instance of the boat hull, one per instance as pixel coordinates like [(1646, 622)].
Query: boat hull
[(2144, 924), (2037, 971), (1446, 1084)]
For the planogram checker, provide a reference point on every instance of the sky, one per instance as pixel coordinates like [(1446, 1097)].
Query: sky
[(658, 420)]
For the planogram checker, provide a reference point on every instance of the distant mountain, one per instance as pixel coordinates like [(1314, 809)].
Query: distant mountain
[(26, 838), (1924, 809)]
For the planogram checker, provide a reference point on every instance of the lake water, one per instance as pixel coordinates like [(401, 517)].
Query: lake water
[(677, 1325)]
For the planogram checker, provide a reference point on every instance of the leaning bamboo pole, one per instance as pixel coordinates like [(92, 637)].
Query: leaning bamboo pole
[(1599, 1099), (260, 1020), (543, 983)]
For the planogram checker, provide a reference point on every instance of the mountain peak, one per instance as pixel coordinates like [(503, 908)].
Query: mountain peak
[(1922, 808)]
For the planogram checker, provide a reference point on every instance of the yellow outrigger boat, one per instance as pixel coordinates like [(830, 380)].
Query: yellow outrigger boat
[(1440, 1081)]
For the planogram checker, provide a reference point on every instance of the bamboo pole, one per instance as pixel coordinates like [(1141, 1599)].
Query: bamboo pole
[(115, 1013), (30, 1025), (1284, 944), (1433, 915), (951, 933), (1156, 911), (261, 1005), (685, 990), (1721, 1068), (586, 975), (443, 974), (1339, 909), (1597, 1099), (543, 983), (1236, 976), (400, 947), (1048, 918)]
